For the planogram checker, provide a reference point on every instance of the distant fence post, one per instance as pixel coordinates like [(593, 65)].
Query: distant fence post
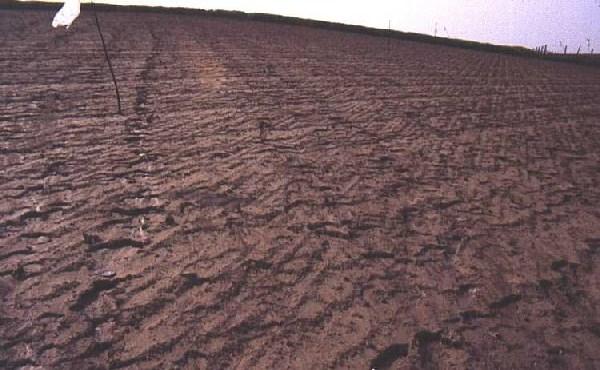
[(541, 50), (565, 49)]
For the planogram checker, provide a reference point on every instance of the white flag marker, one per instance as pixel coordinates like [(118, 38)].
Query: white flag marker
[(67, 14)]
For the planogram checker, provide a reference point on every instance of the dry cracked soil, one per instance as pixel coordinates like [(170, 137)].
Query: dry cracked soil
[(285, 197)]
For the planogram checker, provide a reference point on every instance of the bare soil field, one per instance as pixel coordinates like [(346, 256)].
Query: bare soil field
[(284, 197)]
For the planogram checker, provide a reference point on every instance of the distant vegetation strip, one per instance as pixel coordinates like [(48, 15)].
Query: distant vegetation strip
[(587, 59)]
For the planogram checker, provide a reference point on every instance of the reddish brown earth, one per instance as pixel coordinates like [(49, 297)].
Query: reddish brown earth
[(284, 197)]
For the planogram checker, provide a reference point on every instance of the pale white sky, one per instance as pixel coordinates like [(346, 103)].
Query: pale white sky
[(513, 22)]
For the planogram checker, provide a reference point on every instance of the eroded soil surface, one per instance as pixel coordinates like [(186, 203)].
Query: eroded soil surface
[(283, 197)]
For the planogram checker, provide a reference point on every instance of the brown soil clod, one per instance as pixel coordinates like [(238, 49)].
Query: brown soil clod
[(386, 358), (191, 278), (96, 243), (505, 301), (424, 337), (594, 244), (559, 264), (372, 255), (89, 295)]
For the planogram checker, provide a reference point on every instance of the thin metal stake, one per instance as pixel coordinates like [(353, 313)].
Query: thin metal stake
[(112, 73), (389, 35)]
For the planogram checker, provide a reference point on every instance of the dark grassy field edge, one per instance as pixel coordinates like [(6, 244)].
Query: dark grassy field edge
[(592, 60)]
